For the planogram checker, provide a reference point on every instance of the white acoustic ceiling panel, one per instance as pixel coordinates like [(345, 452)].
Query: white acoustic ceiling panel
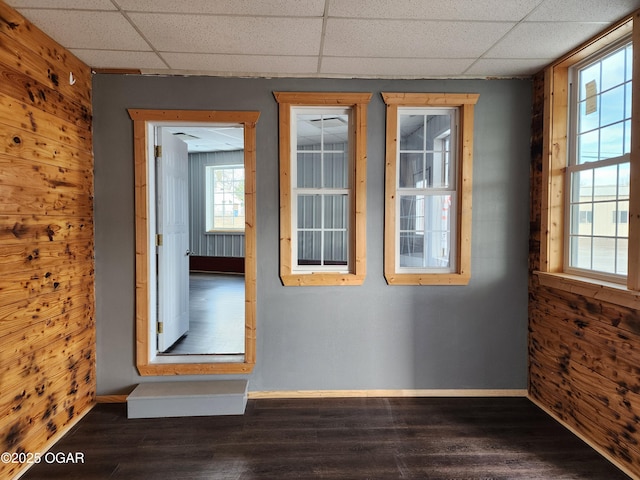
[(324, 38)]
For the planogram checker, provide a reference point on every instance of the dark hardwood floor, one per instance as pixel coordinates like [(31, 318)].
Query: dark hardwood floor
[(353, 438)]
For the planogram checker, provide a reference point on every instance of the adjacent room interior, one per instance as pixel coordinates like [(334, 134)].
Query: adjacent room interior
[(404, 238)]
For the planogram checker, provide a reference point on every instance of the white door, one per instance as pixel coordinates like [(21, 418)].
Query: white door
[(173, 226)]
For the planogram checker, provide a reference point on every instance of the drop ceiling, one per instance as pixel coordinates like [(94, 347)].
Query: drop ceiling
[(324, 38)]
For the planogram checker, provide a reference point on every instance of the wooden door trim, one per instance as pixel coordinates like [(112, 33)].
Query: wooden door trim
[(141, 122)]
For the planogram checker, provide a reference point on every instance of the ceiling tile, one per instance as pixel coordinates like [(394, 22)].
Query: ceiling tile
[(507, 67), (490, 10), (424, 39), (119, 59), (394, 67), (62, 4), (542, 40), (223, 34), (82, 29), (280, 8), (242, 64), (583, 10)]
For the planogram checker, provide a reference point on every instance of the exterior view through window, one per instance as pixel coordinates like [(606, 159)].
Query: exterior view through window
[(599, 167), (225, 198)]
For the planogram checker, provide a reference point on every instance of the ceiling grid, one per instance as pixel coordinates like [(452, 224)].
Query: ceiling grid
[(324, 38)]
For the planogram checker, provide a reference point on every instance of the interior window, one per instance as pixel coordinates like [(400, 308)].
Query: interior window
[(428, 188), (322, 187)]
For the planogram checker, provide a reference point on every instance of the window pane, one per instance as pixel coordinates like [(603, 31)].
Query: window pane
[(425, 151), (437, 249), (623, 180), (437, 170), (336, 170), (335, 211), (582, 219), (580, 252), (425, 231), (335, 131), (604, 255), (411, 170), (627, 100), (412, 212), (613, 70), (612, 141), (582, 186), (411, 250), (612, 104), (604, 219), (437, 127), (309, 211), (309, 248), (588, 147), (335, 248), (411, 132), (605, 181), (309, 170), (622, 256), (591, 120), (589, 74), (308, 132), (627, 136), (437, 211), (622, 218)]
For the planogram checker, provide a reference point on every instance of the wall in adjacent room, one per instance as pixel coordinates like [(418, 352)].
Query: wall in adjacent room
[(201, 243), (373, 336)]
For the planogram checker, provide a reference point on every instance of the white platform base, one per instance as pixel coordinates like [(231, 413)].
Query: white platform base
[(188, 399)]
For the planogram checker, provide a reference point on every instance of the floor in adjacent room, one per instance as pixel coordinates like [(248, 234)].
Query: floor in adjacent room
[(350, 438), (216, 316)]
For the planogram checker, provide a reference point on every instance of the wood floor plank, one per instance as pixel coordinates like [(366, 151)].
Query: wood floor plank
[(333, 438)]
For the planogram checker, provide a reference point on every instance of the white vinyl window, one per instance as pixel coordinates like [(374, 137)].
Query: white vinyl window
[(426, 186), (321, 188), (224, 186), (323, 163), (598, 172)]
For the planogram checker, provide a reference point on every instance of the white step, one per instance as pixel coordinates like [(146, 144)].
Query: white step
[(187, 399)]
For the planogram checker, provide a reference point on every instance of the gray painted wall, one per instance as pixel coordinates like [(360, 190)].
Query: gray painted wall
[(372, 336)]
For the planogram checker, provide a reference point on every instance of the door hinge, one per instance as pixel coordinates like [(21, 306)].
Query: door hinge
[(158, 151), (158, 240), (160, 327)]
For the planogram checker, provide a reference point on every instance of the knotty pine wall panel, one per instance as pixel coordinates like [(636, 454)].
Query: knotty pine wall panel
[(584, 354), (47, 331)]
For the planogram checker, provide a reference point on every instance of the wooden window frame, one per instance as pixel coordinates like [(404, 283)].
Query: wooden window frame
[(357, 102), (465, 104), (146, 362), (555, 148)]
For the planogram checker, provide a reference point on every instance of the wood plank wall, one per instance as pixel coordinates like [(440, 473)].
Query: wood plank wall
[(47, 333), (584, 355)]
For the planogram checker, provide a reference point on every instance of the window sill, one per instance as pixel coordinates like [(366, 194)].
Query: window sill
[(590, 288), (321, 279), (427, 278)]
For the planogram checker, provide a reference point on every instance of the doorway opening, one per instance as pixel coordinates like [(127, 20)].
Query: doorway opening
[(165, 243), (211, 214)]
